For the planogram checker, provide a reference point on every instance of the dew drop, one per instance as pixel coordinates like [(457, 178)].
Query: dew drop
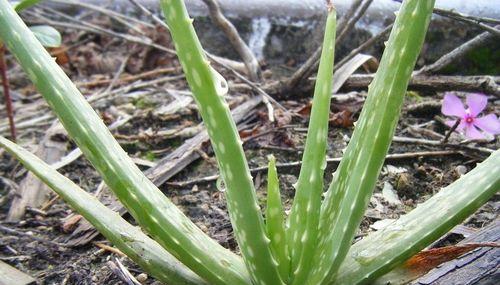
[(323, 164)]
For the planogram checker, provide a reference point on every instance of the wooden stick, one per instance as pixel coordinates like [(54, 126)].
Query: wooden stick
[(485, 84), (109, 248), (231, 33), (476, 21), (33, 237), (312, 62), (336, 160), (11, 276), (364, 46), (457, 53)]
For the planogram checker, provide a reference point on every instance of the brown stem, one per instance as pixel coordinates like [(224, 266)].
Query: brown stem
[(451, 130), (6, 92)]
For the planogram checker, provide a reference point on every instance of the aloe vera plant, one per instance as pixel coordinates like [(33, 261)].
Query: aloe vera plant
[(311, 246)]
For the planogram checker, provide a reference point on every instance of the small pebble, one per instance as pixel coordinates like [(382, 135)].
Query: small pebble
[(142, 277), (461, 170), (195, 189)]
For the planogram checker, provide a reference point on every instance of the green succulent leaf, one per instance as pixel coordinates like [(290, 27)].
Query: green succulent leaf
[(381, 251), (305, 213), (275, 220), (147, 204), (314, 247), (129, 239), (209, 89), (355, 178), (25, 4), (47, 35)]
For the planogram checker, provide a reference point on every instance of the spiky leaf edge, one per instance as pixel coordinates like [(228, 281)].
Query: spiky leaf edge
[(275, 220), (209, 89), (156, 213), (355, 178), (381, 251), (129, 239)]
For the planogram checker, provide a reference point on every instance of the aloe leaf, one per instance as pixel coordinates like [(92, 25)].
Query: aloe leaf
[(275, 221), (208, 88), (129, 239), (381, 251), (47, 35), (355, 178), (151, 209), (304, 217)]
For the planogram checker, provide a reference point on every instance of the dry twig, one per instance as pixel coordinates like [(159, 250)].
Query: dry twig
[(451, 130), (228, 62), (364, 46), (439, 143), (476, 21), (237, 42), (121, 18), (31, 236), (355, 12), (457, 53), (336, 160), (109, 248), (485, 84), (122, 272)]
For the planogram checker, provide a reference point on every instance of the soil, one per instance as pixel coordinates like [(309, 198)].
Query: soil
[(37, 246)]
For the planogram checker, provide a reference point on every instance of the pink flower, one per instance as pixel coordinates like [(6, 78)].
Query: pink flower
[(469, 120)]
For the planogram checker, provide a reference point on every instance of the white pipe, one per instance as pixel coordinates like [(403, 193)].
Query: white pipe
[(311, 8)]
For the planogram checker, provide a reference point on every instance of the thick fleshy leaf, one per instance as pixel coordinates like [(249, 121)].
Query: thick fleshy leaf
[(209, 89), (47, 35), (304, 216), (381, 251), (129, 239), (275, 220), (476, 103), (452, 106), (146, 203), (488, 123), (355, 178)]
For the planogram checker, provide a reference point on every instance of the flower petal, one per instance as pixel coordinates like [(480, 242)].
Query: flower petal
[(489, 124), (451, 123), (452, 106), (476, 103), (473, 133)]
